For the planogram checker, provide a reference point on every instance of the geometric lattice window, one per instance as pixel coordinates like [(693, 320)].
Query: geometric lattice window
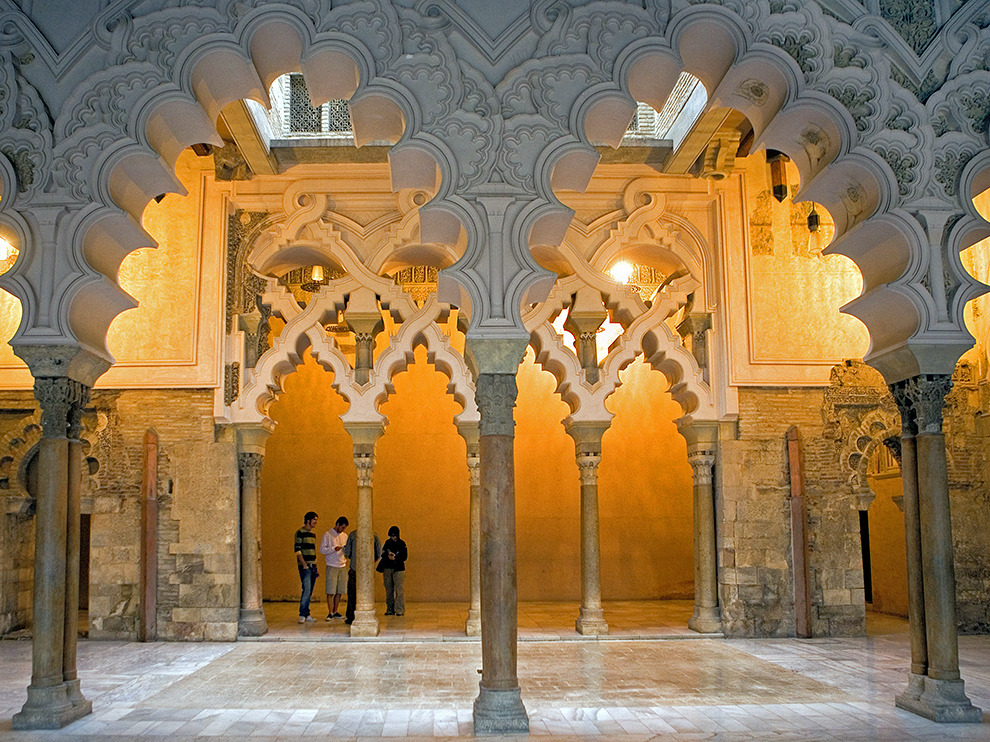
[(338, 117), (302, 116)]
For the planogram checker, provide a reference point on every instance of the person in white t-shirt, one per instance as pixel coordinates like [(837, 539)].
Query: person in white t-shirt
[(332, 548)]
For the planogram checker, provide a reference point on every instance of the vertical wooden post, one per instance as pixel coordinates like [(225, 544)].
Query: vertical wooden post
[(147, 616), (799, 537)]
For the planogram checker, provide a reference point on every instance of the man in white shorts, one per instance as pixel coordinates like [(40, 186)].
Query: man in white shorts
[(332, 548)]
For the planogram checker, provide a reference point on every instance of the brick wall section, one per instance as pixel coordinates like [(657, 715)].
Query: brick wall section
[(198, 513)]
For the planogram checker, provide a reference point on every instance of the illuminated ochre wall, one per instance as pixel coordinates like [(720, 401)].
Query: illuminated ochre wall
[(421, 485), (888, 552)]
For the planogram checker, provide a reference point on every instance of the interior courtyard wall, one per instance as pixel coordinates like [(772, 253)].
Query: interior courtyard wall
[(888, 550), (421, 485)]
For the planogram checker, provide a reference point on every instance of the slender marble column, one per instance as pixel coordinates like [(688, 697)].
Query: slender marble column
[(499, 708), (473, 625), (944, 698), (588, 452), (468, 430), (906, 457), (73, 529), (48, 705), (365, 619), (707, 617), (251, 621), (701, 445)]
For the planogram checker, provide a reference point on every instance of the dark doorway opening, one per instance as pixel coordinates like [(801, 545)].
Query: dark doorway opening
[(864, 538)]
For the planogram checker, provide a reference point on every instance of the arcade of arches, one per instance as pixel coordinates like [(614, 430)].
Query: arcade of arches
[(740, 359)]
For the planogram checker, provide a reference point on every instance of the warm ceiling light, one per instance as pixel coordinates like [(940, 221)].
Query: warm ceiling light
[(778, 174), (621, 272), (318, 275), (6, 250), (816, 241)]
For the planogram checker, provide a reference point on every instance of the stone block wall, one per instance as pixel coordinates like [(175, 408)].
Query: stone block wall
[(197, 595), (754, 531), (967, 434)]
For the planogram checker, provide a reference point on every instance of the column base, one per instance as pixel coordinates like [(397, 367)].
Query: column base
[(909, 697), (591, 622), (73, 691), (49, 708), (252, 622), (473, 625), (706, 620), (500, 712), (365, 623), (943, 701)]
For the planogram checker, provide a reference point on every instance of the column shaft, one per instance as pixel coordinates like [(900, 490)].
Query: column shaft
[(473, 625), (591, 621), (943, 697), (72, 546), (706, 618), (251, 621), (48, 704), (498, 708), (365, 620)]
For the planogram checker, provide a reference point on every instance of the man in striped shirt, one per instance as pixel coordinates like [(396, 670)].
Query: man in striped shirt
[(306, 557)]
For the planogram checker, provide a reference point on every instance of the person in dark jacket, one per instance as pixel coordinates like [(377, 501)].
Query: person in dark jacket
[(393, 569)]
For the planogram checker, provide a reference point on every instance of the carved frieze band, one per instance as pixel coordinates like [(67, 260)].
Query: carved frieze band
[(496, 397), (250, 465), (702, 464), (62, 403), (588, 468), (365, 465), (921, 400)]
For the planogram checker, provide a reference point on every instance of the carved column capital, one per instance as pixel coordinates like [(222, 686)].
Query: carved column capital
[(62, 402), (925, 394), (250, 466), (588, 467), (496, 397), (893, 444), (365, 465), (76, 413), (909, 421), (701, 466), (474, 469)]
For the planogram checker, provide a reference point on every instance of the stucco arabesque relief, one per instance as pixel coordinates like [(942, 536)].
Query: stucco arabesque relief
[(498, 136)]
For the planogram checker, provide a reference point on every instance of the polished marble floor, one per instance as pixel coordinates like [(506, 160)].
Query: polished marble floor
[(416, 681)]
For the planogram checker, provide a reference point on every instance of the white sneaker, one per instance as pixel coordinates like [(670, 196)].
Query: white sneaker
[(310, 619), (302, 619)]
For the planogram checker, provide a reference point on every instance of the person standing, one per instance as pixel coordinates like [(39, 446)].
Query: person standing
[(351, 553), (332, 548), (305, 548), (393, 569)]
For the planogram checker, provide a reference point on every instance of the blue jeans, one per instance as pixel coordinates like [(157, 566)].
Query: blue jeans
[(307, 576)]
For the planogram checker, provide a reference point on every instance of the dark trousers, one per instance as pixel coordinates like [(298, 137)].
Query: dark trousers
[(351, 595)]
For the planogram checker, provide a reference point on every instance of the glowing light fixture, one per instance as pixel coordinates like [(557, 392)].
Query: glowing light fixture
[(621, 272), (317, 277), (8, 254)]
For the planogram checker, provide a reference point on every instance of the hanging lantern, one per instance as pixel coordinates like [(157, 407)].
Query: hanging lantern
[(778, 173)]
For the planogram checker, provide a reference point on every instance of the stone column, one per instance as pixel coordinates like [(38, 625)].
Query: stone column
[(588, 450), (906, 457), (469, 431), (364, 317), (48, 704), (251, 439), (499, 708), (943, 698), (363, 438), (702, 439), (73, 529)]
